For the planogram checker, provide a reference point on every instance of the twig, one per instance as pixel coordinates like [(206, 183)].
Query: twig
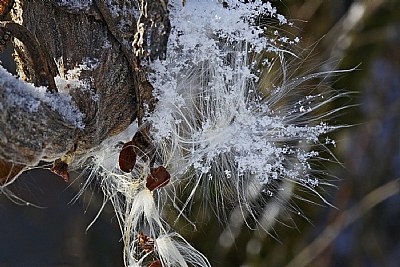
[(316, 247)]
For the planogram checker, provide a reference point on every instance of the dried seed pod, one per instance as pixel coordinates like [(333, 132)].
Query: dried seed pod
[(127, 157), (61, 169), (145, 242), (156, 263), (158, 177)]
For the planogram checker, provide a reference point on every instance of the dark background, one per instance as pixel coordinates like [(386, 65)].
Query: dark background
[(369, 150)]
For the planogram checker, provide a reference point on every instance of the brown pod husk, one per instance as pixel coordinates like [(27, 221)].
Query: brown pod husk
[(127, 157), (159, 177), (61, 169)]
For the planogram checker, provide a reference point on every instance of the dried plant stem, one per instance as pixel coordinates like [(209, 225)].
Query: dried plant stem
[(377, 196)]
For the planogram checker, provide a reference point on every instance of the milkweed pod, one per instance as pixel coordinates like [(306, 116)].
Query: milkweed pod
[(158, 177), (156, 263), (127, 157)]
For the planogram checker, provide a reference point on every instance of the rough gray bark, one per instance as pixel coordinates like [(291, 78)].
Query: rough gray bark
[(118, 35)]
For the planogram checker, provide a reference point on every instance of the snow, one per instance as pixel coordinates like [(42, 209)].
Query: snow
[(72, 80), (26, 96), (75, 4), (208, 83)]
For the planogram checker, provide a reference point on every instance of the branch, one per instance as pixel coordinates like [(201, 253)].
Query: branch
[(317, 246)]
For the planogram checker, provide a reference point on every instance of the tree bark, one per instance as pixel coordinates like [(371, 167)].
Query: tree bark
[(113, 39)]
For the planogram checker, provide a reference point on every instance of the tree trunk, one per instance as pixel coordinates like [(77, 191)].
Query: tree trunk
[(108, 41)]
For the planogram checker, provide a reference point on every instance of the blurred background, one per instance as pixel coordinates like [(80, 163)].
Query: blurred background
[(362, 230)]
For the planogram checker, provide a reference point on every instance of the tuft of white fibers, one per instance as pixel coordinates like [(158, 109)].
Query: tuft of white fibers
[(174, 250), (216, 119), (137, 208), (231, 125)]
